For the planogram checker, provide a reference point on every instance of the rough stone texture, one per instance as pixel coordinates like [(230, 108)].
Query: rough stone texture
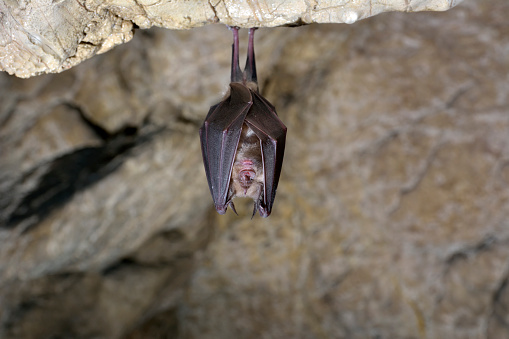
[(47, 36), (391, 219)]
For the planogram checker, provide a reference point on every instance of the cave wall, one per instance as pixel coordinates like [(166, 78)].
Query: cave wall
[(391, 218)]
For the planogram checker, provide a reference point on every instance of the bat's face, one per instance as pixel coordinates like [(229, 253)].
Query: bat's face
[(247, 178)]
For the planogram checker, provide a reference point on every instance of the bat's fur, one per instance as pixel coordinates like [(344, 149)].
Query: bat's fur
[(247, 178)]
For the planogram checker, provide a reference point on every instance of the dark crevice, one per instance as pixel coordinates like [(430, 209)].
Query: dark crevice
[(296, 23), (129, 263), (18, 312), (456, 96), (71, 173), (118, 265), (499, 293), (213, 8), (499, 306), (97, 129), (88, 43), (161, 325), (484, 245)]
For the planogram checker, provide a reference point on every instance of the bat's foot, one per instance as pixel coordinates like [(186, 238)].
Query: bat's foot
[(250, 68), (236, 72)]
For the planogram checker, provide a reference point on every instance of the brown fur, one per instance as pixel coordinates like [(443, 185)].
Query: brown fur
[(248, 149)]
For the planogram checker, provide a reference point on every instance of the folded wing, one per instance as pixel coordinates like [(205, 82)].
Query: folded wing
[(219, 138), (271, 131)]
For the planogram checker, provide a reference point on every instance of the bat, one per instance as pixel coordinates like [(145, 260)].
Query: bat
[(243, 140)]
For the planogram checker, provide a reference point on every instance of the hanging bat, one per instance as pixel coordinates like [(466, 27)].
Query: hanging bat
[(243, 140)]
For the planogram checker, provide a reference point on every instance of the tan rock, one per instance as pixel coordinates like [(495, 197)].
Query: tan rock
[(45, 36), (391, 214)]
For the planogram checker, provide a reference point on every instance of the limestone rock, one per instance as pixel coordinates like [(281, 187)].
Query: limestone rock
[(391, 214), (44, 36)]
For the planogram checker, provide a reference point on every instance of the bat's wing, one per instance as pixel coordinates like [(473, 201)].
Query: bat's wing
[(271, 131), (219, 137)]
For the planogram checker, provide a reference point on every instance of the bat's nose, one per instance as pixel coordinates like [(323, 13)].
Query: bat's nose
[(246, 177)]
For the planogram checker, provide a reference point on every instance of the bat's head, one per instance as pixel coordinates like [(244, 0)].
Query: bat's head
[(247, 178)]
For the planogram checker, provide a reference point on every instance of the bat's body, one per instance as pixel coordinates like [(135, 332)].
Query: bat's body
[(243, 140)]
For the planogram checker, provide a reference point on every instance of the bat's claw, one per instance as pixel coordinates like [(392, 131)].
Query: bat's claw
[(254, 211), (233, 207)]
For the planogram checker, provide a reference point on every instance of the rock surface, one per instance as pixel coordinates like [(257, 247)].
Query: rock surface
[(46, 36), (391, 219)]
